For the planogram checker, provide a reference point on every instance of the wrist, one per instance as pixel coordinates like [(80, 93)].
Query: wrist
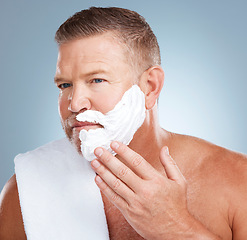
[(196, 230)]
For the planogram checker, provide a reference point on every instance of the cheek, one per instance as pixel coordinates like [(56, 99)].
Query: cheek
[(63, 106), (106, 102)]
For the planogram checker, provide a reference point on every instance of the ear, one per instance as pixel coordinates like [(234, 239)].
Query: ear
[(151, 83)]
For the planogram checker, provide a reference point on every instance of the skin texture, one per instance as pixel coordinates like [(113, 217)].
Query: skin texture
[(163, 185), (11, 223), (83, 70)]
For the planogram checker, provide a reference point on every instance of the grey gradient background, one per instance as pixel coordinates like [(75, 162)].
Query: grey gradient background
[(203, 47)]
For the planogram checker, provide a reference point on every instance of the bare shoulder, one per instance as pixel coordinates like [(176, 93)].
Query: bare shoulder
[(207, 154), (220, 164), (234, 172), (11, 223), (221, 175)]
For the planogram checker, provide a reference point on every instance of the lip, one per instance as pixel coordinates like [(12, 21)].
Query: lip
[(78, 126)]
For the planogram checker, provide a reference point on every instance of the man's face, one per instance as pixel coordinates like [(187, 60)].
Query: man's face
[(92, 74)]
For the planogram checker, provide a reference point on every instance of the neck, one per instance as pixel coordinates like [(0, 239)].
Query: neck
[(150, 138)]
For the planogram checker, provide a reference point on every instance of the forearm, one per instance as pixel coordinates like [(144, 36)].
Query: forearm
[(184, 228)]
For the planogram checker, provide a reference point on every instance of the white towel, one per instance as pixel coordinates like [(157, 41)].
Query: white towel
[(58, 196)]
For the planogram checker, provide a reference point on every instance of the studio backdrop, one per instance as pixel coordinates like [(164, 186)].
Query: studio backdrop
[(203, 49)]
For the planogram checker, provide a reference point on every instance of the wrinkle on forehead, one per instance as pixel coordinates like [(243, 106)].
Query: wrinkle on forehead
[(106, 43), (91, 55), (98, 48)]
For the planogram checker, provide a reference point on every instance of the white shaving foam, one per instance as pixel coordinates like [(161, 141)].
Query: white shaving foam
[(119, 124)]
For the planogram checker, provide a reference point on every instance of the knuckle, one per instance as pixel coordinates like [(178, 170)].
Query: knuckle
[(158, 180), (131, 211), (135, 208), (136, 161), (122, 172), (114, 197), (116, 184), (153, 190)]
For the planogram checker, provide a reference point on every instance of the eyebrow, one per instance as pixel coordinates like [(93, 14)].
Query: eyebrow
[(94, 72), (58, 79)]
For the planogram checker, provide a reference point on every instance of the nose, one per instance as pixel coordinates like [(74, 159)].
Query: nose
[(78, 101)]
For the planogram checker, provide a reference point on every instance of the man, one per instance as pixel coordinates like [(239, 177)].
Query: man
[(162, 185)]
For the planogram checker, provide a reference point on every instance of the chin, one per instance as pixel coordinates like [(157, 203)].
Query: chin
[(74, 139), (76, 144)]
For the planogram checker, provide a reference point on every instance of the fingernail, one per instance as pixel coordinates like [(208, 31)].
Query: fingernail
[(98, 152), (167, 151), (98, 179), (95, 163), (115, 145)]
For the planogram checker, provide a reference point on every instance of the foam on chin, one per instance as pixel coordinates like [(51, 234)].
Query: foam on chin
[(119, 124)]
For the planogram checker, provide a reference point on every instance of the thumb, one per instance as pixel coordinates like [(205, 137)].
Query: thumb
[(170, 166)]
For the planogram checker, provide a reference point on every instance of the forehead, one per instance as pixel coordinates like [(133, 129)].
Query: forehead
[(106, 49)]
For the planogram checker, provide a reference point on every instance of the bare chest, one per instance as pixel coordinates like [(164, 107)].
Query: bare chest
[(212, 214), (209, 205), (118, 227)]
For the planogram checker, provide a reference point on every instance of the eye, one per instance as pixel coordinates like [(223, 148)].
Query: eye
[(98, 80), (64, 85)]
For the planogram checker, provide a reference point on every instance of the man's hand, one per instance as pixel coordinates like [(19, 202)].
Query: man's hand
[(154, 204)]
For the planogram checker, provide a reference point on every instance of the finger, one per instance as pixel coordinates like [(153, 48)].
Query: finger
[(118, 168), (135, 161), (170, 166), (117, 200), (112, 181)]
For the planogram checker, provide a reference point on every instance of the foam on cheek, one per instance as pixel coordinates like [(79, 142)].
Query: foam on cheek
[(119, 124)]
